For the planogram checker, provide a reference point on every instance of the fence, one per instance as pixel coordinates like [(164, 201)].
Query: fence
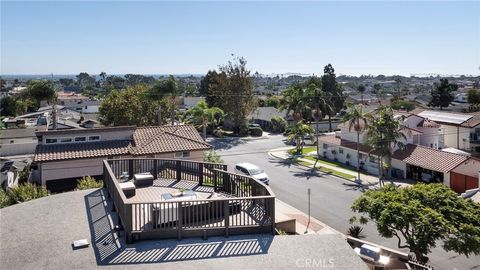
[(246, 206)]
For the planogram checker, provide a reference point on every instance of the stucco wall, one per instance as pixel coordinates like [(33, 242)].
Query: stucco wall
[(370, 167), (13, 149), (70, 169)]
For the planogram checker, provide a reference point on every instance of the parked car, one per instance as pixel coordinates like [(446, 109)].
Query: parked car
[(253, 171)]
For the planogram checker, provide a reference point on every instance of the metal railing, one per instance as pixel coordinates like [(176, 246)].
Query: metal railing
[(245, 205)]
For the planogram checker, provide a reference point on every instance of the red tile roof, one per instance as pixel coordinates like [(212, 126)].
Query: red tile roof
[(145, 141), (51, 152), (153, 140), (429, 158)]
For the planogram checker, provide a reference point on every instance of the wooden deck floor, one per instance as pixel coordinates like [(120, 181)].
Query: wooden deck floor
[(162, 186)]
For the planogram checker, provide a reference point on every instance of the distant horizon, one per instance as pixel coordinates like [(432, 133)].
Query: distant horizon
[(379, 37)]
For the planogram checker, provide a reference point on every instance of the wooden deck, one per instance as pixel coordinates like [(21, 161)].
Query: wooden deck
[(162, 186)]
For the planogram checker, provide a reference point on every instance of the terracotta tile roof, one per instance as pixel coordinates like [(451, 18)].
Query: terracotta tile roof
[(47, 152), (154, 140), (429, 158), (146, 141), (472, 122)]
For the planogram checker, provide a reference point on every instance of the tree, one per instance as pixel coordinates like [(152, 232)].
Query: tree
[(167, 89), (38, 91), (130, 107), (296, 101), (240, 101), (8, 106), (203, 116), (401, 104), (214, 88), (212, 157), (442, 94), (88, 182), (421, 215), (134, 79), (356, 119), (384, 134), (473, 96), (297, 133), (84, 80), (279, 124), (361, 89), (334, 93)]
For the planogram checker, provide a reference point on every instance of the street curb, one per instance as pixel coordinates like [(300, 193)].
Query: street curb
[(271, 153)]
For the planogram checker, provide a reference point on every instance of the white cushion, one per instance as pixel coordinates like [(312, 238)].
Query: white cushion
[(143, 176), (127, 185)]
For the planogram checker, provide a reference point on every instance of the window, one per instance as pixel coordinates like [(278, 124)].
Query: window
[(80, 139), (373, 159), (12, 141), (51, 140), (340, 150), (182, 154), (325, 146), (94, 138), (361, 156), (64, 140)]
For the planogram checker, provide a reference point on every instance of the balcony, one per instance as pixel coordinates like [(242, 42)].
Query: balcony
[(220, 203)]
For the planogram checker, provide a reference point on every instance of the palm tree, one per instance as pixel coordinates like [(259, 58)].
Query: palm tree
[(361, 89), (295, 101), (384, 134), (203, 116), (318, 102), (356, 119), (297, 133)]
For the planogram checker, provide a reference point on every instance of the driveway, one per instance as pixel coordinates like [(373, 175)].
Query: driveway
[(331, 196)]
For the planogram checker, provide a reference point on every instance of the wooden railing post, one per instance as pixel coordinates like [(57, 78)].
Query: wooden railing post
[(272, 213), (215, 180), (226, 214), (200, 173), (127, 223), (179, 220), (130, 168), (178, 169), (155, 168)]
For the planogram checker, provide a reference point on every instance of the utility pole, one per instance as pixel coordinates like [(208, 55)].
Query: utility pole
[(308, 224)]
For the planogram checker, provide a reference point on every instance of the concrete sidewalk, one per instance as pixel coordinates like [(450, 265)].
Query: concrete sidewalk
[(285, 212), (365, 179)]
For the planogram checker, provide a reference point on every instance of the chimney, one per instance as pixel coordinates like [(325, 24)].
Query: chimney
[(54, 116)]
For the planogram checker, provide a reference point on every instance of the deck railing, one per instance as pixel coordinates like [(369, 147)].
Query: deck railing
[(245, 205)]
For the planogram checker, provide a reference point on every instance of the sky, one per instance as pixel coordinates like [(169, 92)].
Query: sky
[(155, 37)]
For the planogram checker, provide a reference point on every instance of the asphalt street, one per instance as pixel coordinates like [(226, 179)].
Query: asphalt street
[(331, 197)]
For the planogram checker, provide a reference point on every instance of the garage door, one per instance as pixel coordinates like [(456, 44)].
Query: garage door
[(460, 182)]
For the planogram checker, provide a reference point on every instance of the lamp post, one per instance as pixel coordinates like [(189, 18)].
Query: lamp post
[(308, 224)]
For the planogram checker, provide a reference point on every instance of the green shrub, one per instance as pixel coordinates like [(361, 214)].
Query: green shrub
[(26, 192), (256, 132), (278, 124), (88, 182), (5, 200), (401, 104), (24, 174), (212, 157)]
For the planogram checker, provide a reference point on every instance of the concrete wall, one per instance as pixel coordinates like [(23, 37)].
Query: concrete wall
[(349, 156), (70, 169), (19, 146), (450, 137)]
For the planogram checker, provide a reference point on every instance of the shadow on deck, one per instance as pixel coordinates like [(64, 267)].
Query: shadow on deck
[(110, 249)]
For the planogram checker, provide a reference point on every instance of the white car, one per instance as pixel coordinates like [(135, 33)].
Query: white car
[(253, 171)]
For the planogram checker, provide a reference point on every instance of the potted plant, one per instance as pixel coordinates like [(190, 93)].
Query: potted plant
[(182, 190)]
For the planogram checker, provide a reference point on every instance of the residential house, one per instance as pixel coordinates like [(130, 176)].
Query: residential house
[(63, 156), (17, 141), (430, 154)]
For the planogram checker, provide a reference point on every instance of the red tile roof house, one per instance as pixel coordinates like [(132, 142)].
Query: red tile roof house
[(64, 156)]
